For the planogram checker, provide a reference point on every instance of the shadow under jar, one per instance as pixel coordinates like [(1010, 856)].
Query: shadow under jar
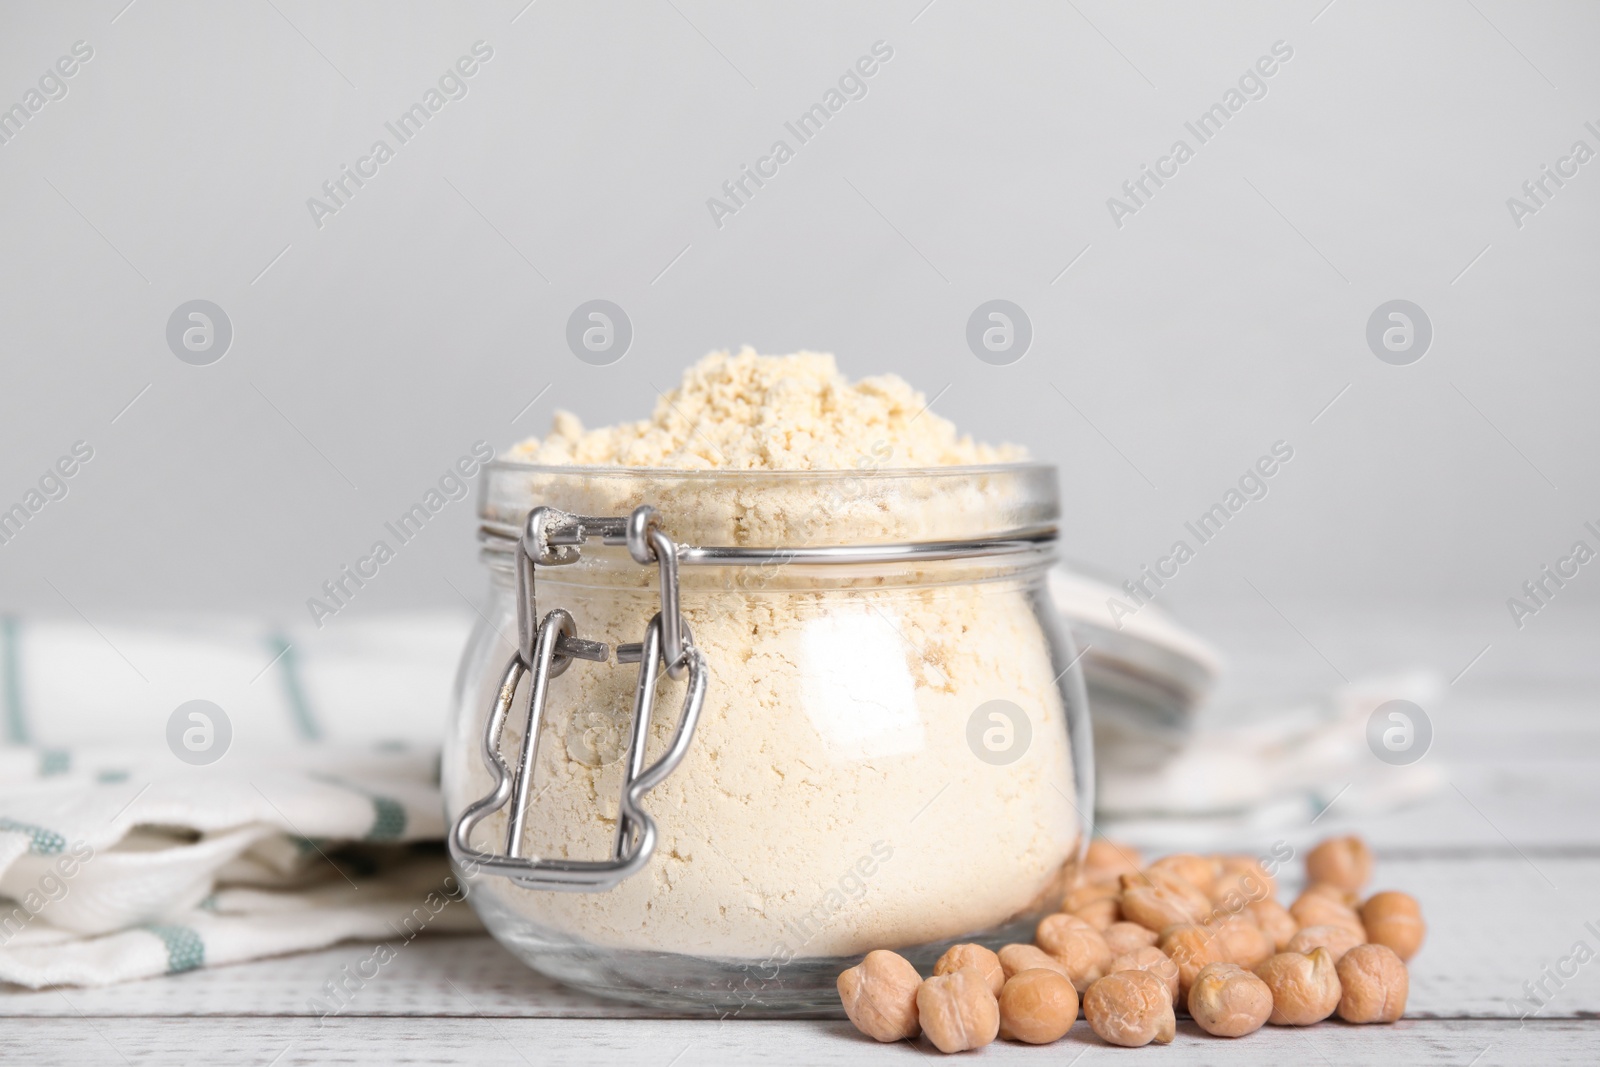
[(863, 726)]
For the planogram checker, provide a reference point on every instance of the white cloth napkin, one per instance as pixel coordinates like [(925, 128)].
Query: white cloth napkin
[(121, 861), (1247, 770)]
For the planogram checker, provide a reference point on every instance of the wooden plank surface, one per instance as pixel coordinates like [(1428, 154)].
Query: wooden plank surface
[(658, 1043), (1493, 924)]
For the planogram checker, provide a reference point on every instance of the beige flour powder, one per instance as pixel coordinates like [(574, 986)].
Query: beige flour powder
[(750, 412), (830, 802)]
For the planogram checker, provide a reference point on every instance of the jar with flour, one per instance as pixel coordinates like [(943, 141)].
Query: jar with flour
[(723, 730)]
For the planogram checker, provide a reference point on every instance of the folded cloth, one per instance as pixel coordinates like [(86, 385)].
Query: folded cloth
[(198, 865), (1249, 769), (1175, 769), (354, 681), (1140, 667), (123, 861)]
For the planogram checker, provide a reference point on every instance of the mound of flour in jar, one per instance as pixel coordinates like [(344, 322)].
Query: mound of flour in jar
[(831, 801), (750, 412)]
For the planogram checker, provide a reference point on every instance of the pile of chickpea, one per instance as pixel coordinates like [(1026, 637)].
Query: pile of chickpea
[(1138, 943)]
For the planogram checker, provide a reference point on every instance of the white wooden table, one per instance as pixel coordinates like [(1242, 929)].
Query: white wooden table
[(1506, 860)]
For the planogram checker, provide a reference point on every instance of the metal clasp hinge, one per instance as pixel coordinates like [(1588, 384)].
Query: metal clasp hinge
[(546, 648)]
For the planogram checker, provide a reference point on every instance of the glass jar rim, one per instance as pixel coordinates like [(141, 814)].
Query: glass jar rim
[(952, 471), (787, 508)]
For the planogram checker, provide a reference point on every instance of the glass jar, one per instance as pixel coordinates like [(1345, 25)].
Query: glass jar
[(877, 735)]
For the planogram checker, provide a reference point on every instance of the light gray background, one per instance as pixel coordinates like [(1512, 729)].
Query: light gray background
[(1227, 314)]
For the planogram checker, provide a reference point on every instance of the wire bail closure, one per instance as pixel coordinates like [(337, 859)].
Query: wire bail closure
[(545, 649)]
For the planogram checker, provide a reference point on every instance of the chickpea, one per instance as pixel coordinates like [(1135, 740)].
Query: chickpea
[(1037, 1007), (1336, 939), (1198, 871), (880, 996), (1373, 983), (1305, 989), (1345, 862), (978, 958), (1319, 906), (1014, 959), (1394, 920), (957, 1010), (1100, 913), (1157, 908), (1108, 859), (1245, 870), (1274, 920), (1233, 891), (1131, 1008), (1149, 958), (1085, 893), (1191, 947), (1123, 937), (1348, 897), (1242, 941), (1228, 1001), (1079, 947), (1195, 902)]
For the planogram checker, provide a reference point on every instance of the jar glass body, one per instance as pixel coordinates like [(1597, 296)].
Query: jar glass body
[(890, 755)]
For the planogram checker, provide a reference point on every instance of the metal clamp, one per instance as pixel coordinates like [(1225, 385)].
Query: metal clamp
[(545, 648)]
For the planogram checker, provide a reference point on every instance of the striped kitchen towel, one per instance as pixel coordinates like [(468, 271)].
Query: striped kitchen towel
[(299, 809)]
